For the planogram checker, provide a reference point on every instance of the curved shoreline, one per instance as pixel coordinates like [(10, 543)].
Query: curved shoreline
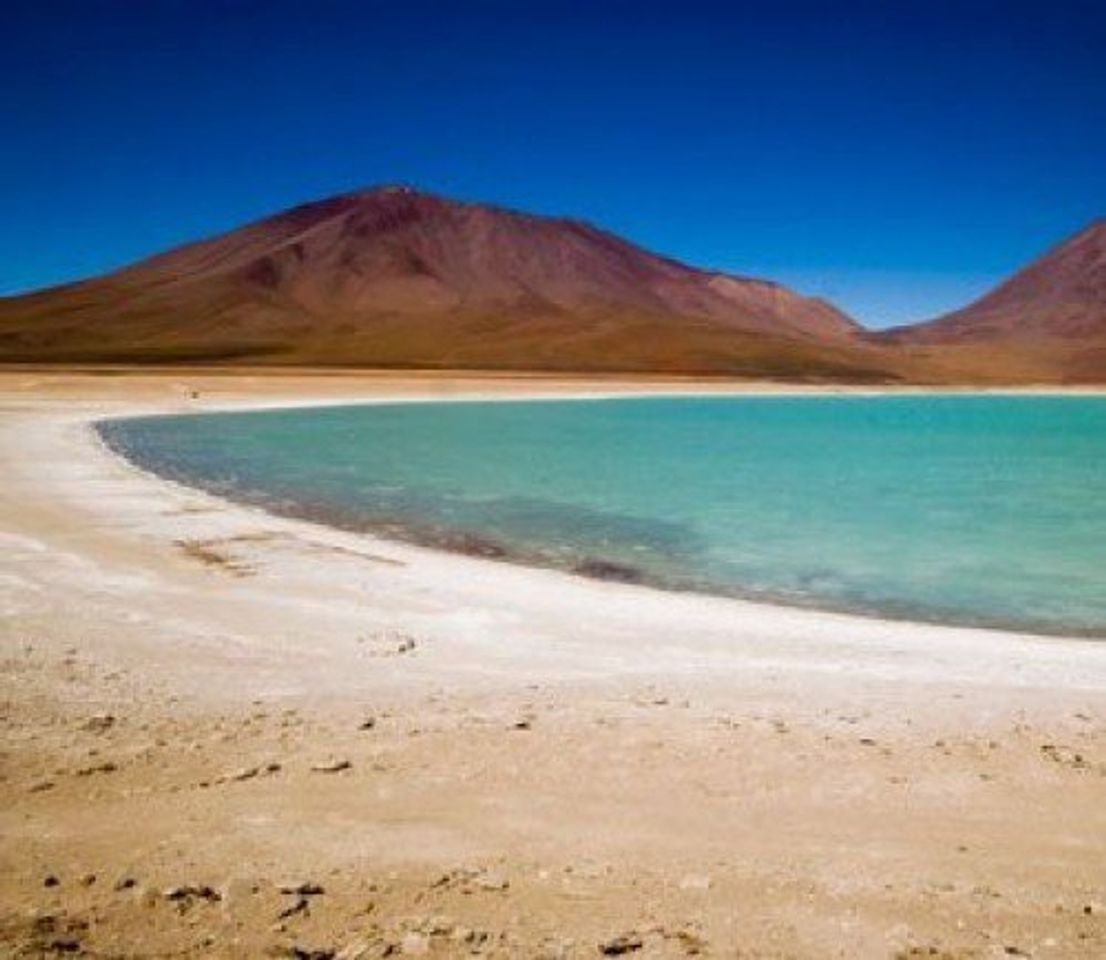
[(765, 608), (201, 695), (574, 626), (473, 544)]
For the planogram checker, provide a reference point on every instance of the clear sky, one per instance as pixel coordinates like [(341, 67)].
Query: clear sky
[(898, 157)]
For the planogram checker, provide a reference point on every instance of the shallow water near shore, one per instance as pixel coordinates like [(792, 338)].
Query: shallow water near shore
[(967, 509)]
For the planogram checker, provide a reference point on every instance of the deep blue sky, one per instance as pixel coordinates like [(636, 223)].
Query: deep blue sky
[(897, 157)]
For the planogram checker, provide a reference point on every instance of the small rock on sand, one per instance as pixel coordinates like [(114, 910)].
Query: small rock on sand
[(302, 905), (331, 766), (491, 880), (106, 767), (98, 723), (617, 946), (302, 888), (190, 891)]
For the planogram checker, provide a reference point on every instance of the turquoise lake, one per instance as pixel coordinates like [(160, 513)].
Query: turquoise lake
[(967, 509)]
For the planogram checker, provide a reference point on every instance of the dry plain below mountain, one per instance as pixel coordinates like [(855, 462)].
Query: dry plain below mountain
[(227, 734)]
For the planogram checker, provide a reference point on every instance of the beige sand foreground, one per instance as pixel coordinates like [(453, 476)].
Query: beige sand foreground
[(232, 735)]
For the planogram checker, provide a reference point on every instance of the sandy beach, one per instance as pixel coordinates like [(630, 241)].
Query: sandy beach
[(230, 734)]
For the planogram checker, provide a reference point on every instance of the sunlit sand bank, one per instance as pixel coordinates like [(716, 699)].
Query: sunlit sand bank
[(552, 763)]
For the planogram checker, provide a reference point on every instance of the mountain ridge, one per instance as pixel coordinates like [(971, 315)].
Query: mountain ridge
[(390, 276), (1061, 293), (1046, 322)]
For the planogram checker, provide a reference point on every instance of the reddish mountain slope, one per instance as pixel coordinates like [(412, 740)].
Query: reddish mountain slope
[(391, 277), (1046, 322)]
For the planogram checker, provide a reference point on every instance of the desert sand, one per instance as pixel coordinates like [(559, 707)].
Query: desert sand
[(229, 734)]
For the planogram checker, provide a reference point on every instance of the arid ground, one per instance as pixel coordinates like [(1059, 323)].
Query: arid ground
[(227, 734)]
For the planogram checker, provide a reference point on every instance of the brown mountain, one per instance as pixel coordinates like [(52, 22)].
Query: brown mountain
[(1047, 322), (393, 277)]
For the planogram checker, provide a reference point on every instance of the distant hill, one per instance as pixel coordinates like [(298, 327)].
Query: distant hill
[(395, 278), (392, 277), (1048, 321)]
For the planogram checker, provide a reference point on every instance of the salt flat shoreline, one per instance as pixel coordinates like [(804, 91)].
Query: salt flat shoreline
[(525, 721), (508, 390), (383, 389)]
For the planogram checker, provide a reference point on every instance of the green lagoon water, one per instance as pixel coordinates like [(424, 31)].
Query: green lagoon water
[(969, 509)]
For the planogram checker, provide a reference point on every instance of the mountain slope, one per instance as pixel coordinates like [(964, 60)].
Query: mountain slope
[(1048, 321), (392, 277)]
